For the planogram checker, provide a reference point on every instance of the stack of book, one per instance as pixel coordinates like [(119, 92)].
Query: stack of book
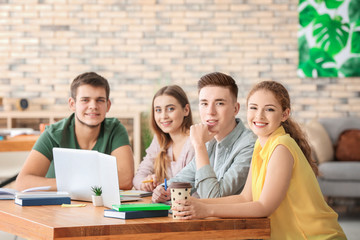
[(132, 211), (42, 198)]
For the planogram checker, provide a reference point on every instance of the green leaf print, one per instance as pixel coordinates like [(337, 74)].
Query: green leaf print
[(355, 39), (329, 38), (331, 4), (320, 64), (354, 10), (330, 34), (303, 50), (351, 68), (307, 15)]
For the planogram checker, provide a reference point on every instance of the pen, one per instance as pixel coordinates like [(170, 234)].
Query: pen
[(147, 181), (165, 184)]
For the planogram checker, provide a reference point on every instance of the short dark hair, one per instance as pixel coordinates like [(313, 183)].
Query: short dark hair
[(220, 80), (89, 78)]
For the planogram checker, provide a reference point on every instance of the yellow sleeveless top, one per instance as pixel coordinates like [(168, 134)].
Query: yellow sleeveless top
[(303, 214)]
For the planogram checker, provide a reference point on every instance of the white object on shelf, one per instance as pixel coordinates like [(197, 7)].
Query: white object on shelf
[(12, 132)]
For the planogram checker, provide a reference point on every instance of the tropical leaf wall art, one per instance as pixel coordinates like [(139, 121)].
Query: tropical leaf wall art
[(329, 38)]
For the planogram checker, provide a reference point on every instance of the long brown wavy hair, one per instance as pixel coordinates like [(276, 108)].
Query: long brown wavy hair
[(162, 161), (290, 126)]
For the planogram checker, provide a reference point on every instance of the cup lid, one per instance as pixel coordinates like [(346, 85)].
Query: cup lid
[(180, 185)]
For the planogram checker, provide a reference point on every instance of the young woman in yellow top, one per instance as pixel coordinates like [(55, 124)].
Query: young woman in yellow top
[(282, 181)]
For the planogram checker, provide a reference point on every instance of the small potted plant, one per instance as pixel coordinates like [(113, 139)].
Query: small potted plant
[(96, 197)]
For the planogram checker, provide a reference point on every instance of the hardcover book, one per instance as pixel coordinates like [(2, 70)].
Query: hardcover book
[(42, 201), (141, 207), (135, 214)]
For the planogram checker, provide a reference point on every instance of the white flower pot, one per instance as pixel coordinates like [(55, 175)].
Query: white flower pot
[(97, 201)]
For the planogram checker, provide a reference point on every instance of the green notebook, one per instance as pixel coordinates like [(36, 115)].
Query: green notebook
[(140, 207)]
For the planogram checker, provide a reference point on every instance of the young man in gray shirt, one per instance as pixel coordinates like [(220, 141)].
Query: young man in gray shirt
[(223, 146)]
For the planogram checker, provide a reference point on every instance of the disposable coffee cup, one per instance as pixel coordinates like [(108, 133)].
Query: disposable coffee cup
[(179, 191)]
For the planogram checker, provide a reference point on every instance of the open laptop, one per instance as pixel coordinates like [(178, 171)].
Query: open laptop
[(78, 170)]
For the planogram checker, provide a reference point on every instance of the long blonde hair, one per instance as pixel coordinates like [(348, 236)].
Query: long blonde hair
[(162, 161), (290, 126)]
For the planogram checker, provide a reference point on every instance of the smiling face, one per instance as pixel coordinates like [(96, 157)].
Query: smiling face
[(90, 105), (218, 109), (169, 114), (265, 114)]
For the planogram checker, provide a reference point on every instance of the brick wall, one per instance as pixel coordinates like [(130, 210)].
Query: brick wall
[(141, 45)]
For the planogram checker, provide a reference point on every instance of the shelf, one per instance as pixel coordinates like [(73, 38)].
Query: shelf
[(14, 119)]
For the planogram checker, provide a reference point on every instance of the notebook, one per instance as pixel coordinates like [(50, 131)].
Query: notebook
[(134, 193), (78, 170), (141, 207)]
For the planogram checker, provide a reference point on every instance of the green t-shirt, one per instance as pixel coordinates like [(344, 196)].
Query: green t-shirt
[(62, 134)]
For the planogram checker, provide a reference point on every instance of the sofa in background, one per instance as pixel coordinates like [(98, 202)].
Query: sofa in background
[(337, 151)]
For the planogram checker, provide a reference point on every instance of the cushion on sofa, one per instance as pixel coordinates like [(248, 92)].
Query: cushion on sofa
[(340, 171), (319, 141), (348, 146)]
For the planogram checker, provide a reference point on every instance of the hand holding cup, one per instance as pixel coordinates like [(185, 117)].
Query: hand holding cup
[(179, 191)]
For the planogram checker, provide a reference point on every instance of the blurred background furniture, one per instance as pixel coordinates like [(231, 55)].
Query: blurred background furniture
[(13, 153), (336, 143)]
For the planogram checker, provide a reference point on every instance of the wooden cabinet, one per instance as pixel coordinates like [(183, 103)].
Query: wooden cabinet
[(29, 119)]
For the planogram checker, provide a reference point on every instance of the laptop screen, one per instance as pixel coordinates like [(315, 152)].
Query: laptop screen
[(78, 170)]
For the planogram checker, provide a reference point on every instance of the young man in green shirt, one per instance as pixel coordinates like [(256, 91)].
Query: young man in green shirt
[(87, 128)]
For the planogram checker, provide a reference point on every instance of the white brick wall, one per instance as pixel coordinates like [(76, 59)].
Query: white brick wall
[(142, 45)]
